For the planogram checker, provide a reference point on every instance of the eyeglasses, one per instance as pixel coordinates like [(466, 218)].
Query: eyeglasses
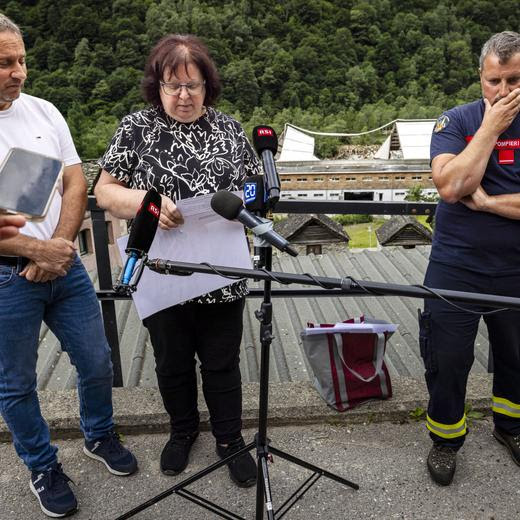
[(174, 89)]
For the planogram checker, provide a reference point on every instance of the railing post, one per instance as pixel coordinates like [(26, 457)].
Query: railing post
[(108, 308)]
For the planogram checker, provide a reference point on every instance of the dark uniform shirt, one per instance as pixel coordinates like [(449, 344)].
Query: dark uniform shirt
[(183, 160), (469, 239)]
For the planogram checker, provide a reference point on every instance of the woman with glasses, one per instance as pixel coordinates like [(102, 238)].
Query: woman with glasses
[(184, 147)]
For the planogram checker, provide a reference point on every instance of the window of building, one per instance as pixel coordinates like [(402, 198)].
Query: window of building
[(302, 179), (367, 179), (400, 178), (318, 179), (430, 178), (314, 248), (286, 180), (384, 178), (416, 177), (302, 194), (84, 242), (318, 195), (350, 179), (334, 179)]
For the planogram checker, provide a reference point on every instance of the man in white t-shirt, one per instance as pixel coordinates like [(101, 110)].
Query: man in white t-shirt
[(42, 279)]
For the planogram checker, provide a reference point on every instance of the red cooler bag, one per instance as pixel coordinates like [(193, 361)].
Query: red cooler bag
[(349, 367)]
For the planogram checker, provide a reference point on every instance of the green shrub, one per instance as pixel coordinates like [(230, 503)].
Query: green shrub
[(348, 220)]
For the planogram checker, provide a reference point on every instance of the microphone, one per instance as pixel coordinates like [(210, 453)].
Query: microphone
[(142, 233), (229, 206), (265, 143)]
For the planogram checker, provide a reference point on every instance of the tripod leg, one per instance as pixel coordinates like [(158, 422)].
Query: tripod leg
[(259, 489), (263, 491)]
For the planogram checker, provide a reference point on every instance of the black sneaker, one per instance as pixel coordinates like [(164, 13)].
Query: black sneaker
[(175, 454), (52, 490), (511, 442), (242, 469), (110, 451), (442, 461)]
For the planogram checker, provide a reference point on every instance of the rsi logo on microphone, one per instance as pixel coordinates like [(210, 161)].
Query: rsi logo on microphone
[(154, 210), (264, 131)]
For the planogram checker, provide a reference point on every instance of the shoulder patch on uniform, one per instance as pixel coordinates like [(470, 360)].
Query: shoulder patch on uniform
[(441, 123)]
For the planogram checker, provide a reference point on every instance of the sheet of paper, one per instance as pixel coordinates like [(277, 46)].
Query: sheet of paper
[(360, 328), (204, 237)]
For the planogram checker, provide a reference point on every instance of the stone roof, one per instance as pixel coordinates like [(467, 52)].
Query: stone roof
[(294, 224), (403, 230)]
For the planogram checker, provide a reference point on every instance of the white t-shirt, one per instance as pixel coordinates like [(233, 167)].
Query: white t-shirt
[(37, 125)]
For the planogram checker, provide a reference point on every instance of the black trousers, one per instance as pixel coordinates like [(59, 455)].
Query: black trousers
[(447, 337), (213, 332)]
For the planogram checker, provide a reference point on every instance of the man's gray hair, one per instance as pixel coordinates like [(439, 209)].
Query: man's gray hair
[(7, 24), (503, 45)]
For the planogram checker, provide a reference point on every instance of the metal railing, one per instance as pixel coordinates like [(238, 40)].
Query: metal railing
[(107, 296)]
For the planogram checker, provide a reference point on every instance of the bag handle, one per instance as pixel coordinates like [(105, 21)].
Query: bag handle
[(380, 354)]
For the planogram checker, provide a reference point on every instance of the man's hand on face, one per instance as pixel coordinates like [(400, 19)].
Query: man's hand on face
[(54, 258), (499, 116)]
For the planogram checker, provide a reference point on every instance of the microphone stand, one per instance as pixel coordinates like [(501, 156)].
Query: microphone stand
[(344, 285), (263, 449)]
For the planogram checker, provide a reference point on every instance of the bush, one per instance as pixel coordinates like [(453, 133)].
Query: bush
[(349, 220)]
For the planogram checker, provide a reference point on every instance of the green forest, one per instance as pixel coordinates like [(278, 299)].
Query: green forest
[(343, 65)]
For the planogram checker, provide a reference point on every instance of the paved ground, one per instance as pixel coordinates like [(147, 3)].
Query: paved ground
[(387, 460)]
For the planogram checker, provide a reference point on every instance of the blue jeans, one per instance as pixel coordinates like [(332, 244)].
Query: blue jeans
[(70, 308)]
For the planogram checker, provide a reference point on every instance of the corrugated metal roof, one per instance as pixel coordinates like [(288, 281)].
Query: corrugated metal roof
[(287, 361)]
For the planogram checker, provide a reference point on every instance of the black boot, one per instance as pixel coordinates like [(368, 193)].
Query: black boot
[(442, 461), (511, 442)]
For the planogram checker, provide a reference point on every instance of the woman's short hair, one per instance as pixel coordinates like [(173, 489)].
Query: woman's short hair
[(174, 51)]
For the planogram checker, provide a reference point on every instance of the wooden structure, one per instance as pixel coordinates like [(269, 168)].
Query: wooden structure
[(312, 233), (405, 231)]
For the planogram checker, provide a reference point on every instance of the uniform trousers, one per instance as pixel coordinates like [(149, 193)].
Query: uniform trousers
[(447, 337)]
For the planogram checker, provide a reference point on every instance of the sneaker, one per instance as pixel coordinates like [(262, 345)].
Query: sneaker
[(52, 490), (176, 452), (442, 461), (110, 451), (242, 469), (511, 442)]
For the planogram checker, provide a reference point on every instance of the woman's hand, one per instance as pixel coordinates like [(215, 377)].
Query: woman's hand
[(170, 217)]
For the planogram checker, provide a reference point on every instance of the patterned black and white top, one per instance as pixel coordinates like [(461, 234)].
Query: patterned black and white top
[(183, 160)]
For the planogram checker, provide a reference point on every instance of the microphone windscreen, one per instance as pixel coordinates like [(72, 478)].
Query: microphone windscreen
[(226, 204), (145, 223), (264, 138)]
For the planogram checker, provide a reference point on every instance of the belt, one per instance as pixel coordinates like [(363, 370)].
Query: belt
[(13, 261)]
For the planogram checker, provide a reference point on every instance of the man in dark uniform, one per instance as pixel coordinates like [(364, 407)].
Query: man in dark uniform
[(475, 154)]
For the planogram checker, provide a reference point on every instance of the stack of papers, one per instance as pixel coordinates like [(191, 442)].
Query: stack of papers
[(359, 328)]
